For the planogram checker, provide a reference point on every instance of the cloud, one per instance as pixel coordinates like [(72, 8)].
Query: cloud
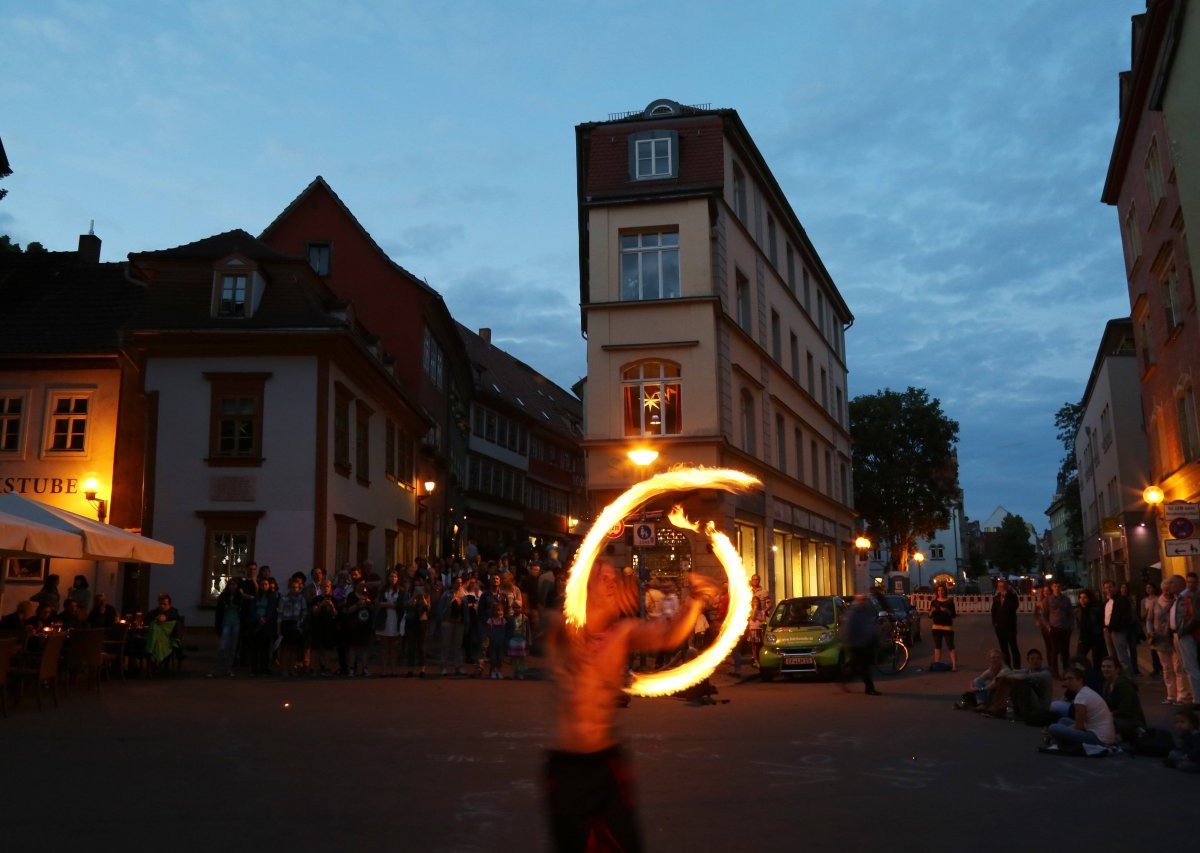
[(425, 240)]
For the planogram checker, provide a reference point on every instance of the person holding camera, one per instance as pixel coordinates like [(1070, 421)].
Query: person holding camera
[(416, 626)]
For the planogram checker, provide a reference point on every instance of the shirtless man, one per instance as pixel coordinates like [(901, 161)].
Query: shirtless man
[(588, 778)]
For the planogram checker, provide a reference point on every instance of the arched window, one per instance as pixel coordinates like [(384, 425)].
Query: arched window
[(748, 430), (652, 399)]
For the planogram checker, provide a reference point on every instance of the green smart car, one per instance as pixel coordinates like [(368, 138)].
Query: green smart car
[(801, 637)]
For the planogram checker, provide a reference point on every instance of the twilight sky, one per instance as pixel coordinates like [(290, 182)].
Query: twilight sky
[(945, 157)]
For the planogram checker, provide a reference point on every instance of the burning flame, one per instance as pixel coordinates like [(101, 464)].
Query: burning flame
[(575, 598)]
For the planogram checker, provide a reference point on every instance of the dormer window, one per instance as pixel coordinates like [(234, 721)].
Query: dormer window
[(654, 155), (237, 289), (233, 295)]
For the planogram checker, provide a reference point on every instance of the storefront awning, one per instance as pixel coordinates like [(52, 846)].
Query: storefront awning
[(32, 529)]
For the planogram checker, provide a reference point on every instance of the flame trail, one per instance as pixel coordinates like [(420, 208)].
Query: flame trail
[(575, 598)]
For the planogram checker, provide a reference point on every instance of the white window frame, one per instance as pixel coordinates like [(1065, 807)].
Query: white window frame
[(52, 399), (651, 248), (667, 377), (21, 418), (222, 278), (653, 159)]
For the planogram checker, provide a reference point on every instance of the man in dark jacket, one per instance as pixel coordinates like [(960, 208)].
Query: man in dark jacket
[(1118, 616), (1004, 623), (860, 638)]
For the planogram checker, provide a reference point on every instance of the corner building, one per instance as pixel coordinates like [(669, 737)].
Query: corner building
[(715, 337)]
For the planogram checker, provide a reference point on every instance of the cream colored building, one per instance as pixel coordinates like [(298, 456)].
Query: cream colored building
[(715, 337)]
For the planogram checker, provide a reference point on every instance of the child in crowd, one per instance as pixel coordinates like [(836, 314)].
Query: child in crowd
[(496, 631), (518, 642)]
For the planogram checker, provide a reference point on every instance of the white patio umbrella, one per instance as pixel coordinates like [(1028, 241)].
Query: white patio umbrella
[(36, 529)]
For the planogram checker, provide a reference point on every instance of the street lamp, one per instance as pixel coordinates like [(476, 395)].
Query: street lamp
[(1154, 496), (920, 560), (91, 487)]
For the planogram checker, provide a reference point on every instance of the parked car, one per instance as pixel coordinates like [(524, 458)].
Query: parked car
[(801, 637), (905, 614)]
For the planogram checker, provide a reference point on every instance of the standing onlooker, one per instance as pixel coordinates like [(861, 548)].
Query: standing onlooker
[(518, 642), (1041, 615), (1162, 639), (1004, 622), (1118, 614), (322, 629), (262, 638), (1090, 619), (48, 594), (1133, 628), (228, 625), (452, 606), (758, 615), (358, 626), (1147, 615), (472, 633), (389, 613), (1185, 622), (416, 626), (496, 629), (1061, 617), (80, 592), (941, 616), (292, 616)]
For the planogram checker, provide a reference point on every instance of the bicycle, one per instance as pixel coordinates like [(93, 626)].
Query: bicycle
[(892, 656)]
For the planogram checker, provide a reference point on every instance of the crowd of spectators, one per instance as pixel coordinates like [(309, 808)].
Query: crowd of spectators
[(1100, 708), (455, 617)]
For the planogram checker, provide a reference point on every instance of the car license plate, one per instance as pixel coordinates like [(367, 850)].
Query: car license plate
[(798, 660)]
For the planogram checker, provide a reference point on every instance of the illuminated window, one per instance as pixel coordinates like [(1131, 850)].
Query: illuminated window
[(68, 423), (652, 398)]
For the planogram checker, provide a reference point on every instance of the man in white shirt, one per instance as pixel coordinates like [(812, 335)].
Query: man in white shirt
[(1182, 622), (1093, 721)]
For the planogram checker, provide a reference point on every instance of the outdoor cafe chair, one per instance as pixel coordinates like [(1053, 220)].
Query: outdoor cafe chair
[(42, 667), (8, 647), (112, 650), (84, 655)]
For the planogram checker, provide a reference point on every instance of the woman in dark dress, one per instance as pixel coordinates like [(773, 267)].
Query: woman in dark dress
[(322, 621)]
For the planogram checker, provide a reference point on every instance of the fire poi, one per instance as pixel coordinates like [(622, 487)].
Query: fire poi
[(575, 597)]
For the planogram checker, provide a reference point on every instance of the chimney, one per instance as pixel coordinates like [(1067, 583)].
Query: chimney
[(89, 247), (486, 334)]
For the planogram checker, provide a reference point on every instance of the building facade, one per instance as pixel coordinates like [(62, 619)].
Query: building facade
[(715, 337), (1152, 183), (525, 484), (1111, 458), (414, 326), (272, 420), (72, 416)]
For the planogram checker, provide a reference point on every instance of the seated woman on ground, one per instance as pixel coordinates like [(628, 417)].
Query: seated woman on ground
[(1092, 723)]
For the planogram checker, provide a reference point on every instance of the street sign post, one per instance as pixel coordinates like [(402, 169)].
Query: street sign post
[(643, 534), (1182, 547), (1181, 509)]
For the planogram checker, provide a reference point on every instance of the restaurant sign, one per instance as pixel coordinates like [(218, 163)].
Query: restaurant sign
[(40, 485)]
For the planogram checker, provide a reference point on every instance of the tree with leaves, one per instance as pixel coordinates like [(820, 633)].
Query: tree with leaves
[(905, 468), (1012, 552), (1067, 421)]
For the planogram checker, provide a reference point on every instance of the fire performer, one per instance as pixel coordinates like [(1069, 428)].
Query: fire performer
[(588, 777)]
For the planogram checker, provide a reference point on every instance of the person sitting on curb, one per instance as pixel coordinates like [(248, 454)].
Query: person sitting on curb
[(979, 689), (1121, 696), (1028, 689), (1186, 755), (1092, 723)]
